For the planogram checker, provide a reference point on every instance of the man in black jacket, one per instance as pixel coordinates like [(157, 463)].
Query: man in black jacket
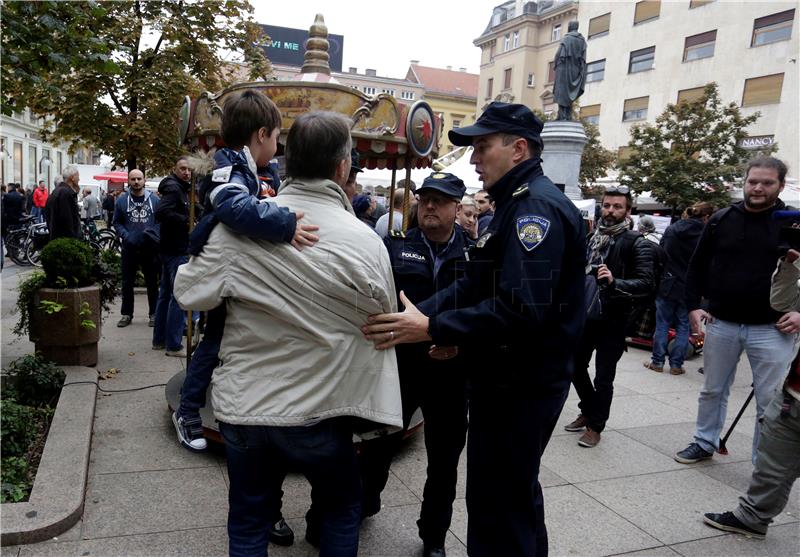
[(732, 268), (172, 214), (623, 263), (14, 204), (678, 243), (425, 260), (522, 293), (61, 210)]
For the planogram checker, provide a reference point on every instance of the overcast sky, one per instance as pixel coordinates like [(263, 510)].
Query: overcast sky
[(386, 35)]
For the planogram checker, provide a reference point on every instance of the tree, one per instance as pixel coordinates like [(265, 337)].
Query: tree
[(691, 154), (114, 74), (596, 159)]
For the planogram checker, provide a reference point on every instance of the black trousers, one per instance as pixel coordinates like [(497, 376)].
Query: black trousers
[(509, 428), (443, 401), (134, 257), (606, 338)]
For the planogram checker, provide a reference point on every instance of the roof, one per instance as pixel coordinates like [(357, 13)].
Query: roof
[(448, 82)]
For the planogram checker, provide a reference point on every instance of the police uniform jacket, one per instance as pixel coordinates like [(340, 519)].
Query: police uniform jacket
[(421, 275), (522, 298)]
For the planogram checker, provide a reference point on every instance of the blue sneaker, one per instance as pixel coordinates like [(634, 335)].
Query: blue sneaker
[(190, 432), (693, 453), (729, 523)]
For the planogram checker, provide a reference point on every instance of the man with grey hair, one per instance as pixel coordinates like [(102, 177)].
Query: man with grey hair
[(304, 307), (61, 210)]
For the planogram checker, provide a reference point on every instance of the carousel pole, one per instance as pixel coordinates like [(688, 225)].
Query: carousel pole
[(406, 196), (189, 320), (391, 194)]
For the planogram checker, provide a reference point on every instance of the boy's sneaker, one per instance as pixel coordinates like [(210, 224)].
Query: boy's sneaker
[(281, 533), (693, 453), (190, 432), (729, 523)]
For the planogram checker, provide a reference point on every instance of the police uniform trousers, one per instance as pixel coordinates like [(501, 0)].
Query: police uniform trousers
[(441, 394), (509, 428)]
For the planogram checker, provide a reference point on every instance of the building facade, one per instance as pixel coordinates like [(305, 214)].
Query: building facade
[(25, 158), (642, 56), (517, 50)]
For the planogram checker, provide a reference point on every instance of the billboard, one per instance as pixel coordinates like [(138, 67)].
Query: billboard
[(287, 46)]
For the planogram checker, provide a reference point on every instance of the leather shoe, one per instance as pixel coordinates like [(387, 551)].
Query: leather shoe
[(281, 533), (589, 439), (125, 321), (433, 552)]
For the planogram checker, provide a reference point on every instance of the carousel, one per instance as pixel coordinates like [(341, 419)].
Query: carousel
[(386, 134)]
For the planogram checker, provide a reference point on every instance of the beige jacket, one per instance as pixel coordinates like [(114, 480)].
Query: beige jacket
[(293, 352), (785, 292)]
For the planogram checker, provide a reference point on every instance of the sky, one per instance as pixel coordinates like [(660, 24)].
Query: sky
[(386, 36)]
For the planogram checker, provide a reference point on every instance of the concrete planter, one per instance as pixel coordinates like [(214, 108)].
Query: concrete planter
[(59, 336), (57, 497)]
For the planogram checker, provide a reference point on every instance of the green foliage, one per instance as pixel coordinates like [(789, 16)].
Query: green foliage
[(85, 313), (16, 433), (114, 74), (50, 307), (15, 484), (596, 159), (27, 289), (107, 273), (34, 381), (68, 259), (691, 154)]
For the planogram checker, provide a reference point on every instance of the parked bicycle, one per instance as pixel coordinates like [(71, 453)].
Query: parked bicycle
[(104, 239), (38, 236), (16, 240)]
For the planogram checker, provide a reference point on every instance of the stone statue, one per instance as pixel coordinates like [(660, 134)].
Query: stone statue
[(570, 70)]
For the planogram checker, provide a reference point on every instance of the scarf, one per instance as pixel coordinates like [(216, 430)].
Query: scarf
[(601, 240)]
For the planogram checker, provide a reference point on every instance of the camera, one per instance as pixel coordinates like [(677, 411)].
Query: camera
[(789, 231)]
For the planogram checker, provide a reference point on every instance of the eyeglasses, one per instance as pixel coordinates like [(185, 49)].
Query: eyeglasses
[(624, 190)]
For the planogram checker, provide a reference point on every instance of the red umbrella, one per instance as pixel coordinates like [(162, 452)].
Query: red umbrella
[(114, 177)]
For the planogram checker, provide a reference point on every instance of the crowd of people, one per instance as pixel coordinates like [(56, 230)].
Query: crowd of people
[(323, 319)]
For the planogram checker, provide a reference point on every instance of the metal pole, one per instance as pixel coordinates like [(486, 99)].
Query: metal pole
[(722, 448), (391, 194), (189, 321), (407, 196)]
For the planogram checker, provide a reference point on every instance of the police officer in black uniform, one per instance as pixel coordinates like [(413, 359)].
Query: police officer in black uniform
[(522, 301), (426, 260)]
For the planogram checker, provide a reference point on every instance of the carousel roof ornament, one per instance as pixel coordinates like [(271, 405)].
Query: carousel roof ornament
[(386, 133)]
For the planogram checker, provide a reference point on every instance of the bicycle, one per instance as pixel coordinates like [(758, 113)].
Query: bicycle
[(16, 240), (104, 239), (38, 236)]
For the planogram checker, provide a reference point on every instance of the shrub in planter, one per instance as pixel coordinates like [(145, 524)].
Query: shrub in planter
[(67, 263), (34, 381)]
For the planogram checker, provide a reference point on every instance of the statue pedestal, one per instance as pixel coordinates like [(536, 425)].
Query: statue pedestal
[(561, 158)]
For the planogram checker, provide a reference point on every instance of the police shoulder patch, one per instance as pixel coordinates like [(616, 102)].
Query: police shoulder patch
[(532, 230), (397, 234), (222, 175)]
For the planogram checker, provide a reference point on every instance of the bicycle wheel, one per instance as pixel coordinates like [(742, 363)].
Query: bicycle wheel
[(33, 255), (15, 245), (108, 240)]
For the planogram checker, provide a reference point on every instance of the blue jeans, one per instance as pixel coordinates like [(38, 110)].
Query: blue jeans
[(170, 318), (667, 313), (204, 359), (769, 352), (323, 453)]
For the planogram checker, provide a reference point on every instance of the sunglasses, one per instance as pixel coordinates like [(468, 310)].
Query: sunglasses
[(624, 190)]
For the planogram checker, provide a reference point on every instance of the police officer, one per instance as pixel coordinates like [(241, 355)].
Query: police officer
[(426, 260), (522, 301)]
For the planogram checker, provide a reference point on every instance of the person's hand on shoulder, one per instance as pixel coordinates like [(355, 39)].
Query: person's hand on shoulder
[(304, 233)]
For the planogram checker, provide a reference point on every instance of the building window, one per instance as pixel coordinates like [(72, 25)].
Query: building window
[(598, 26), (773, 28), (389, 92), (531, 80), (642, 60), (407, 95), (635, 109), (699, 46), (370, 90), (698, 3), (551, 72), (506, 42), (763, 90), (60, 164), (515, 40), (18, 162), (489, 86), (47, 170), (456, 124), (31, 163), (591, 114), (646, 11), (507, 78), (690, 95), (555, 34), (596, 71)]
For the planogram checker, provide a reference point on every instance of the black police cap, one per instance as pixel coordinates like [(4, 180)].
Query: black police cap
[(444, 182), (514, 119), (354, 167)]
